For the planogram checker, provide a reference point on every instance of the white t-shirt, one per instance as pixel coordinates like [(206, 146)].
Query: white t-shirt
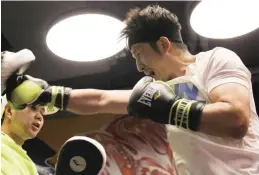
[(200, 154)]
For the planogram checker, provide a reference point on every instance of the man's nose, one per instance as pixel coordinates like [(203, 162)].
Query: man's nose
[(140, 66), (41, 110)]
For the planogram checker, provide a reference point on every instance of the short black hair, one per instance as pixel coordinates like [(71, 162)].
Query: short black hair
[(149, 24), (2, 119)]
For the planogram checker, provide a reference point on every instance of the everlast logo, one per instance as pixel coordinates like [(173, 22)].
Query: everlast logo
[(147, 96)]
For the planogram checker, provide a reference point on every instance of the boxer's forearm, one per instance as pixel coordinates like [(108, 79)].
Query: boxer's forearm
[(224, 120), (92, 101)]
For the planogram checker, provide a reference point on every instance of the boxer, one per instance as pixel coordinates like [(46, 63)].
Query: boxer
[(205, 100)]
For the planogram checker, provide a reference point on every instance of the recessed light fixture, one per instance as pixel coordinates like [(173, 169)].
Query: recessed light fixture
[(86, 37), (221, 19)]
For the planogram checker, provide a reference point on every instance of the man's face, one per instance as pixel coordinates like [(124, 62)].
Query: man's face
[(150, 61), (28, 122)]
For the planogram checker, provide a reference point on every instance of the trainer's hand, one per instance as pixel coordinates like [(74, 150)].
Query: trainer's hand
[(25, 90), (14, 62)]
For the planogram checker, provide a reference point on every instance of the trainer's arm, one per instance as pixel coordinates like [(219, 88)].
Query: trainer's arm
[(92, 101), (228, 114)]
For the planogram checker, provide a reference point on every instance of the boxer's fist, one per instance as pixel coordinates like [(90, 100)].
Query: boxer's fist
[(151, 100), (53, 96), (157, 101), (25, 90)]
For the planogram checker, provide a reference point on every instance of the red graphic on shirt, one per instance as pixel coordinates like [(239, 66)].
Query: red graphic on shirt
[(135, 147)]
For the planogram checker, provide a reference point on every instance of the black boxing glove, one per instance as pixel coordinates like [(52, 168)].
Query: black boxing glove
[(22, 90), (157, 101)]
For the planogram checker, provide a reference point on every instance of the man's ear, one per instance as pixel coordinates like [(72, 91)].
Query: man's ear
[(163, 45), (8, 112)]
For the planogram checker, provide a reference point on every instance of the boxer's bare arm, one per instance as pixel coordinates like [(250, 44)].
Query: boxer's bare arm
[(228, 114), (92, 101)]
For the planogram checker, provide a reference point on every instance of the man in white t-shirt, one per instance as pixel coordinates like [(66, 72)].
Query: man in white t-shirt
[(205, 100)]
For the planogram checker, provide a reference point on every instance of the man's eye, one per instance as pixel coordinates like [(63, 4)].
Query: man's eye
[(137, 56), (34, 108)]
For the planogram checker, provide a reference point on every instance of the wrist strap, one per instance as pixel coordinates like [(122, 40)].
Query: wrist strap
[(59, 97), (186, 114)]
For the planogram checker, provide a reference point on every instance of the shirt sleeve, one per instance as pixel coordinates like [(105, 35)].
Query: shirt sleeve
[(226, 66)]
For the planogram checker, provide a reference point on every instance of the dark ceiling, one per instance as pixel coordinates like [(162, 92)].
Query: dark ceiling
[(25, 23)]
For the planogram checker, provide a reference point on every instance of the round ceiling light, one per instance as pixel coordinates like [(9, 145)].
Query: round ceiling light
[(221, 19), (86, 37)]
